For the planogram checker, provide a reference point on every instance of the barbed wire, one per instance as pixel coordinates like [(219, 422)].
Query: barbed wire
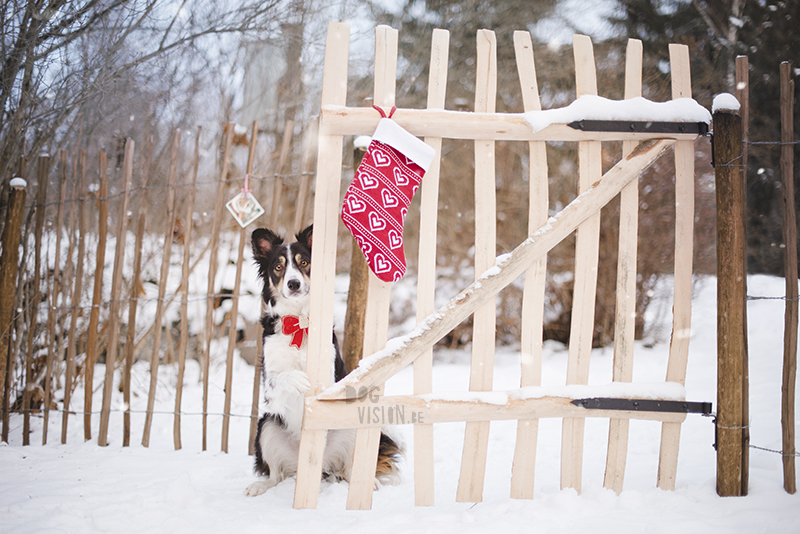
[(749, 297)]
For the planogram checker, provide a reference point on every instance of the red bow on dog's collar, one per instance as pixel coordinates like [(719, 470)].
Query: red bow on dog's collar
[(292, 327)]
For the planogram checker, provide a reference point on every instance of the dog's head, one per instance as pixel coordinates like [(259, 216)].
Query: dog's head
[(284, 268)]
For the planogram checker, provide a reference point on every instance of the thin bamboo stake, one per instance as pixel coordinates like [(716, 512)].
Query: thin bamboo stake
[(212, 271), (97, 296), (306, 168), (33, 305), (133, 305), (162, 286), (184, 338), (235, 306), (76, 292), (286, 145), (54, 294), (116, 290)]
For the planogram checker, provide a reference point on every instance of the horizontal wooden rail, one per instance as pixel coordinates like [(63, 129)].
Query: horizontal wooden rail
[(415, 409), (342, 120), (399, 352)]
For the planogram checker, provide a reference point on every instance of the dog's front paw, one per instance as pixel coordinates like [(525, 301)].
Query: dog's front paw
[(298, 380), (257, 488)]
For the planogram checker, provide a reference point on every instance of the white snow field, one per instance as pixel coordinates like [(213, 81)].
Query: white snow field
[(80, 487)]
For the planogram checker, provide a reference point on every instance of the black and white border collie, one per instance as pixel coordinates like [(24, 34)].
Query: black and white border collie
[(285, 270)]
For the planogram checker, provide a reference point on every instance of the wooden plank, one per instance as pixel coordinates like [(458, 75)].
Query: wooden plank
[(212, 271), (183, 342), (792, 312), (55, 289), (625, 318), (426, 270), (376, 326), (234, 313), (41, 202), (476, 434), (277, 191), (523, 468), (307, 170), (340, 120), (684, 247), (97, 296), (410, 409), (587, 248), (134, 296), (730, 302), (326, 210), (380, 366), (116, 290), (162, 287), (76, 292)]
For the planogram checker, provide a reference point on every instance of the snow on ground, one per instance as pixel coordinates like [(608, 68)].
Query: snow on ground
[(80, 487)]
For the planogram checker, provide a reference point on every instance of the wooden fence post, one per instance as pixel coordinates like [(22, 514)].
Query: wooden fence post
[(730, 304), (790, 275), (12, 234)]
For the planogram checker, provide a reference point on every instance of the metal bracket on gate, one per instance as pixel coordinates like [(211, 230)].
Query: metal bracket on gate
[(700, 128), (644, 405)]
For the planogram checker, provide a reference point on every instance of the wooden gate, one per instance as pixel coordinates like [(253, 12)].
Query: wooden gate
[(337, 406)]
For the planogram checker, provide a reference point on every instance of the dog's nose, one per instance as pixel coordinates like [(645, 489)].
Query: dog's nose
[(293, 285)]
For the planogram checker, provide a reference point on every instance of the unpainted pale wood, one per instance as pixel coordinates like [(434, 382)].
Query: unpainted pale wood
[(97, 296), (162, 287), (234, 313), (587, 248), (523, 467), (183, 341), (625, 318), (76, 292), (341, 120), (307, 169), (116, 291), (376, 326), (476, 434), (426, 277), (378, 367), (326, 204), (684, 247), (219, 203), (277, 190)]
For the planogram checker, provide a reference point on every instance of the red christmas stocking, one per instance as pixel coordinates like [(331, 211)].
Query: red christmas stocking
[(376, 203)]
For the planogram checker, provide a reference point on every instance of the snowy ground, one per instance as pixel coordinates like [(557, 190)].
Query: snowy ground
[(80, 487)]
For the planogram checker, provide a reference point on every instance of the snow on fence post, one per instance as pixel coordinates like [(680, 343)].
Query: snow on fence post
[(730, 298), (790, 275)]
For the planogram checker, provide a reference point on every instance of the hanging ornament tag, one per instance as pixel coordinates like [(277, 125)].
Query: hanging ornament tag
[(244, 207)]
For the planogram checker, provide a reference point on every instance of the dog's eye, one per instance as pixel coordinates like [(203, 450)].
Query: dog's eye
[(278, 268), (303, 263)]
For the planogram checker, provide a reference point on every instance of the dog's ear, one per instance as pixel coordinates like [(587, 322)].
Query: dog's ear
[(305, 237), (264, 240)]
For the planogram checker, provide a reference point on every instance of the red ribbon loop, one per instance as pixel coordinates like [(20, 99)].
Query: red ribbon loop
[(383, 114), (291, 327)]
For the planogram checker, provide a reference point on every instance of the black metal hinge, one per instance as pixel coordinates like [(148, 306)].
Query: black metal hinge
[(700, 128), (644, 405)]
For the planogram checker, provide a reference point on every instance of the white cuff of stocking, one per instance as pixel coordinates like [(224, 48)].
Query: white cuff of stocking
[(390, 133)]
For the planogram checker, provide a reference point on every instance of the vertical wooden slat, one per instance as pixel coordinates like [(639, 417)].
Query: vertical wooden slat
[(585, 288), (625, 322), (476, 435), (184, 335), (76, 292), (234, 313), (684, 247), (97, 296), (116, 291), (54, 291), (790, 275), (376, 326), (306, 168), (130, 335), (523, 470), (426, 277), (33, 305), (326, 211), (277, 192), (219, 203), (162, 287)]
